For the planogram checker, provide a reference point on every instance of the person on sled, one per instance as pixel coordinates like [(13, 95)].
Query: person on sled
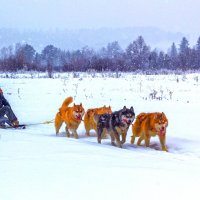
[(7, 115)]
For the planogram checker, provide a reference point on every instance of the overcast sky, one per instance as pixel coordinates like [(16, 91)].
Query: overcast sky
[(170, 15)]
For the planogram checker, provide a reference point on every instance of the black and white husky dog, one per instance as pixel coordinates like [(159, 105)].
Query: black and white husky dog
[(115, 124)]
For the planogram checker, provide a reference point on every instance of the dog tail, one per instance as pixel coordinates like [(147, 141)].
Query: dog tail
[(67, 101), (88, 115), (136, 127), (65, 104)]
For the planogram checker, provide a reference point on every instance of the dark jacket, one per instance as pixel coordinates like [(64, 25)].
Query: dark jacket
[(3, 101)]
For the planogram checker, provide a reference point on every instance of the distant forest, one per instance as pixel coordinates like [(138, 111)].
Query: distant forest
[(138, 56)]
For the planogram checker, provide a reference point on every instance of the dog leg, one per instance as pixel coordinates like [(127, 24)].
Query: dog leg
[(116, 135), (132, 139), (99, 133), (162, 142), (112, 139), (87, 133), (75, 134), (57, 129), (147, 140), (140, 140), (67, 132), (58, 123), (104, 134), (123, 137)]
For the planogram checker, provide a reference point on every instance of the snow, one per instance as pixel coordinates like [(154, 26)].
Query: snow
[(35, 164)]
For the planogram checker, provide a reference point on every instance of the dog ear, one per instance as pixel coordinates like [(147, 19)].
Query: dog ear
[(124, 108), (92, 111), (132, 109), (163, 114), (80, 104)]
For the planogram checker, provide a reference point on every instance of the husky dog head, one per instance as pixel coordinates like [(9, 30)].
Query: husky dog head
[(105, 110), (127, 115), (78, 111), (160, 122)]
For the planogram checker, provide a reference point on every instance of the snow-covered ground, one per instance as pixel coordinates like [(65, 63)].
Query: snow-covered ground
[(35, 164)]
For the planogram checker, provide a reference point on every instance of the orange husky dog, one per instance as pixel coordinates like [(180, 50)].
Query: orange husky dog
[(72, 116), (89, 117), (150, 124)]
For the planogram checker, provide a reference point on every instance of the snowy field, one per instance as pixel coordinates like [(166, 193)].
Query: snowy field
[(37, 165)]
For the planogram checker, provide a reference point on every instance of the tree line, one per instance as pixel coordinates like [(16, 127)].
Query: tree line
[(138, 56)]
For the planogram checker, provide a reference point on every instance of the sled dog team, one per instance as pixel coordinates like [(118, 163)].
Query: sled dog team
[(116, 124)]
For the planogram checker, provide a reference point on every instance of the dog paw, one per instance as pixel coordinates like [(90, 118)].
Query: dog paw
[(87, 134), (76, 136), (119, 144), (68, 135), (164, 149), (123, 141), (113, 144)]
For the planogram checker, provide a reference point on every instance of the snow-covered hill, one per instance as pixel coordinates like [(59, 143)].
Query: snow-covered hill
[(94, 38), (35, 164)]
